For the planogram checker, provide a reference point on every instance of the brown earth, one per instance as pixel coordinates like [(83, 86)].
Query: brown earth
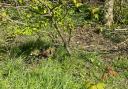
[(92, 40)]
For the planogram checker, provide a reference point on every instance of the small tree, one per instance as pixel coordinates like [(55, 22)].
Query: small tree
[(32, 16)]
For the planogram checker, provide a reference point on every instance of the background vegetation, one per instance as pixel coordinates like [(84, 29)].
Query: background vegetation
[(63, 44)]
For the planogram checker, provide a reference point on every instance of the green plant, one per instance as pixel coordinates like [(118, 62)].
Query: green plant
[(47, 75)]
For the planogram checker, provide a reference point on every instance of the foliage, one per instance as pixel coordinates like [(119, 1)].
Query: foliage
[(30, 25), (31, 17), (121, 14), (95, 86), (71, 73), (49, 74)]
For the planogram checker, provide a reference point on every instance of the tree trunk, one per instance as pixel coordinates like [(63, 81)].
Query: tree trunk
[(109, 5)]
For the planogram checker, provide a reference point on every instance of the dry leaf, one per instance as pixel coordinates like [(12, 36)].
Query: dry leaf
[(109, 72)]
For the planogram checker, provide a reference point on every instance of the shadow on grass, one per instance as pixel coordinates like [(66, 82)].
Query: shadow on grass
[(24, 49)]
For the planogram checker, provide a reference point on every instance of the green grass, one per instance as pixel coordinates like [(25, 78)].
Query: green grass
[(70, 73), (49, 74)]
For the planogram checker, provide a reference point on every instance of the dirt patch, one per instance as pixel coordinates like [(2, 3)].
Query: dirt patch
[(89, 40), (92, 40)]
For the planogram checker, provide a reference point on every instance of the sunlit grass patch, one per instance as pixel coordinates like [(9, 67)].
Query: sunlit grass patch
[(46, 75)]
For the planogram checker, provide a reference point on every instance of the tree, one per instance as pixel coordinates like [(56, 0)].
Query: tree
[(109, 5), (53, 17)]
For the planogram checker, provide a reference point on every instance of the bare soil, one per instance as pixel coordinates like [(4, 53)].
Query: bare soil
[(92, 40)]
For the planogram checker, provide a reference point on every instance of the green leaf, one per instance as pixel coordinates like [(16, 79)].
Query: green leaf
[(95, 10), (78, 4), (100, 86), (93, 87), (96, 16), (21, 1), (74, 1)]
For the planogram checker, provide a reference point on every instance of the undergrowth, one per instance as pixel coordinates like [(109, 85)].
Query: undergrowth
[(15, 74), (70, 73)]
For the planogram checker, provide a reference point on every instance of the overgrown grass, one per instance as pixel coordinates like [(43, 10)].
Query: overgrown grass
[(15, 74), (70, 73)]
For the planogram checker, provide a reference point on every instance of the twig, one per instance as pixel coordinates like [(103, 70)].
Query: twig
[(70, 35), (2, 5), (15, 21)]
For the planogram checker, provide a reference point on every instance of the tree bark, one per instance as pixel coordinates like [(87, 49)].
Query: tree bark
[(109, 5)]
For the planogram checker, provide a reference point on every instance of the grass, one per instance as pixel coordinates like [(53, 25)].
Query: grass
[(60, 71), (46, 75), (71, 73)]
